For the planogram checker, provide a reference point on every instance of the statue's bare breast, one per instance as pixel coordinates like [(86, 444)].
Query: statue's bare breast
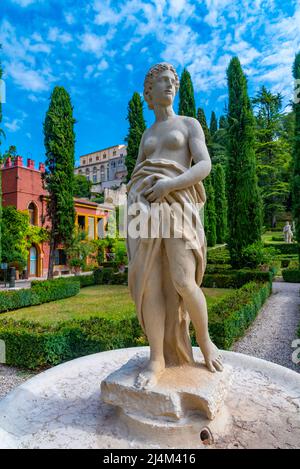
[(168, 140)]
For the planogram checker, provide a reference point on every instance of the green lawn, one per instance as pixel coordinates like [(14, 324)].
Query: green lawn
[(267, 237), (99, 300)]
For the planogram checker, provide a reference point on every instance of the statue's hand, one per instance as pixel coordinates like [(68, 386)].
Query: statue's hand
[(159, 190)]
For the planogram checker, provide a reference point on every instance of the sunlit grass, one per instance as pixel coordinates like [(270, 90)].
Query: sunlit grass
[(99, 300)]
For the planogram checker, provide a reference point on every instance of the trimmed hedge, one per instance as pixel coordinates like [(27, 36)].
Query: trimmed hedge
[(40, 292), (31, 345), (229, 319), (86, 280), (108, 276), (235, 278), (284, 248), (291, 275)]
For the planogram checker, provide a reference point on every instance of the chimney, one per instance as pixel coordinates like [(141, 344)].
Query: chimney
[(19, 161), (42, 167), (8, 163), (30, 163)]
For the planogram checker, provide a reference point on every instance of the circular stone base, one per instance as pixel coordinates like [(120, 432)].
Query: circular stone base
[(62, 408)]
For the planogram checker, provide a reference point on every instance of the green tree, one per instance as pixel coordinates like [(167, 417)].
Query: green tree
[(80, 247), (220, 203), (210, 212), (223, 122), (187, 105), (244, 199), (296, 152), (82, 186), (273, 154), (59, 138), (18, 236), (137, 127), (202, 119), (213, 126)]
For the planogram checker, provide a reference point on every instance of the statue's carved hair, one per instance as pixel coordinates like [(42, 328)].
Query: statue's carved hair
[(151, 76)]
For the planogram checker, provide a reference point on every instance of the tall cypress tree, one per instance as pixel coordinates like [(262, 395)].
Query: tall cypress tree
[(59, 139), (244, 200), (187, 105), (210, 212), (296, 153), (222, 122), (213, 127), (209, 208), (137, 127), (220, 203), (202, 119)]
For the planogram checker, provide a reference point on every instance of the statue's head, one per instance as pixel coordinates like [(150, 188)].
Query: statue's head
[(161, 85)]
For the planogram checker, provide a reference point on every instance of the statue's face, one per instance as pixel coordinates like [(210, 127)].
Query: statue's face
[(163, 88)]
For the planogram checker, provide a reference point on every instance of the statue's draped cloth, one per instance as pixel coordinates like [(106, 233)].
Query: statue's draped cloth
[(144, 252)]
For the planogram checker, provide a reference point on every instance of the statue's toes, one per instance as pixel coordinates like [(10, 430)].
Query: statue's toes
[(218, 364)]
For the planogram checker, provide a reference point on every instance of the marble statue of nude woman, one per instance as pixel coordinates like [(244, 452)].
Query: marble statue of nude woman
[(164, 275)]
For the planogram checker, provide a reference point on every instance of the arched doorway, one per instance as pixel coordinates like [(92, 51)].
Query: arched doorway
[(33, 262)]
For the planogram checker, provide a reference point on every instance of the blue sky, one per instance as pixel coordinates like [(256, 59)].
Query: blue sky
[(100, 51)]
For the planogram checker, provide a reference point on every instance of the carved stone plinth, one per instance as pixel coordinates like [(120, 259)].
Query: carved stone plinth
[(184, 400)]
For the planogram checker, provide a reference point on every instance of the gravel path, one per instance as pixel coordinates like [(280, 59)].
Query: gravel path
[(271, 335), (10, 378)]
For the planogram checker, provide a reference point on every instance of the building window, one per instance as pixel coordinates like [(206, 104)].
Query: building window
[(87, 171), (81, 222), (121, 154), (60, 257), (79, 172), (97, 158), (91, 228), (83, 162), (104, 155), (100, 228), (94, 178), (90, 160), (102, 174), (114, 153), (33, 217), (107, 172), (120, 162)]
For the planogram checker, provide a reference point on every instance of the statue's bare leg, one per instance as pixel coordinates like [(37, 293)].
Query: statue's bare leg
[(154, 318), (183, 267)]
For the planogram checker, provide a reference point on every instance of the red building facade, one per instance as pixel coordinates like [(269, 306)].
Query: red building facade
[(22, 187)]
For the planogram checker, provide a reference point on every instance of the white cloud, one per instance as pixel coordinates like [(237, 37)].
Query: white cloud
[(55, 35), (28, 135), (70, 18), (103, 65), (129, 67), (14, 125), (25, 3), (28, 79), (92, 43)]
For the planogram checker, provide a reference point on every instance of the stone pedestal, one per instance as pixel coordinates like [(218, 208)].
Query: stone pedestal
[(184, 402)]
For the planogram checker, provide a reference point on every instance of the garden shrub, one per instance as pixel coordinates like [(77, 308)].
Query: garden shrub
[(108, 276), (40, 292), (284, 248), (291, 275), (235, 278)]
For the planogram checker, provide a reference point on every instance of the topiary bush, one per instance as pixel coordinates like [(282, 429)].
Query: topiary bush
[(291, 275), (40, 292)]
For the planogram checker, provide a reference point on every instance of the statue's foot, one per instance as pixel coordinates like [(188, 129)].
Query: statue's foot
[(149, 377), (212, 355)]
